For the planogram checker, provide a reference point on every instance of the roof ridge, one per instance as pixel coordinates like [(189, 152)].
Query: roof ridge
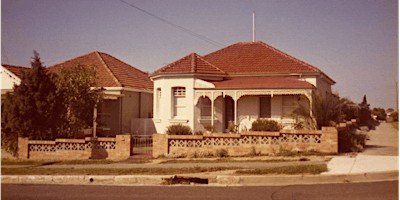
[(123, 62), (170, 65), (224, 48), (212, 65), (108, 69), (288, 56), (71, 59), (193, 67), (15, 66)]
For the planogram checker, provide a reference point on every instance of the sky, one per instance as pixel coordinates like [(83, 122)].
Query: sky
[(353, 42)]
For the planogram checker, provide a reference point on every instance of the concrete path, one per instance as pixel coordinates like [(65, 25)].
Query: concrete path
[(379, 155), (384, 141)]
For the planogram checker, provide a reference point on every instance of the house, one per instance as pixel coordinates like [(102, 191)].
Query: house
[(10, 75), (128, 91), (235, 85)]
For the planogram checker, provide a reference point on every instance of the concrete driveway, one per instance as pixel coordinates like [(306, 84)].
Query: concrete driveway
[(380, 154)]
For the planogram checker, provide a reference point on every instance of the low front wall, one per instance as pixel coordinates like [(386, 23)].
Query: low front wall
[(75, 149), (325, 140)]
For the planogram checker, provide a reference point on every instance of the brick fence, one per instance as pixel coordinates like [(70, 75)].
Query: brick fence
[(325, 140), (74, 149)]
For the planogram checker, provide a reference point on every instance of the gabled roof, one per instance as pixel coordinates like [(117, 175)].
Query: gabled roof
[(261, 83), (111, 71), (190, 64), (256, 57), (17, 70)]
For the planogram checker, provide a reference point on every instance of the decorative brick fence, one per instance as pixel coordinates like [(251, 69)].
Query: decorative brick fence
[(325, 140), (71, 149)]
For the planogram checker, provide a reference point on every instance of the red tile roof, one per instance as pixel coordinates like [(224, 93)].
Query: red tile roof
[(256, 57), (17, 70), (190, 63), (111, 71), (242, 58), (261, 83)]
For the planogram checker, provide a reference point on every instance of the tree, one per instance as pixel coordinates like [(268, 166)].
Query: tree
[(34, 109), (365, 113), (78, 85), (380, 113), (325, 112)]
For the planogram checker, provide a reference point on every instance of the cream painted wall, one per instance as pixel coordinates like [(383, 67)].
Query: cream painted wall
[(165, 117), (8, 79)]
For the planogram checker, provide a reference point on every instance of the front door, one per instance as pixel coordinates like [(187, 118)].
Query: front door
[(229, 111)]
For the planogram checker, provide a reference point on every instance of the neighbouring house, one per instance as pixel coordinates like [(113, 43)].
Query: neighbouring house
[(235, 85), (128, 92), (10, 75)]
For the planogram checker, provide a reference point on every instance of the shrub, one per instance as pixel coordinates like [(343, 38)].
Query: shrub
[(9, 143), (351, 141), (176, 154), (178, 129), (206, 154), (198, 133), (221, 153), (233, 128), (253, 152), (210, 128), (265, 125), (394, 116)]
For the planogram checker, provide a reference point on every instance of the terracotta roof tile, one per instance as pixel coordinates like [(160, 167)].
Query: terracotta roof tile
[(256, 57), (261, 83), (111, 71), (17, 70), (190, 63)]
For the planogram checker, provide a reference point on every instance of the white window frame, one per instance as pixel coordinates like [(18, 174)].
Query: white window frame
[(158, 102), (179, 94), (203, 106)]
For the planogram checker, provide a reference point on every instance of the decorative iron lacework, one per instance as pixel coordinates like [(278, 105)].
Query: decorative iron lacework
[(248, 140), (71, 146)]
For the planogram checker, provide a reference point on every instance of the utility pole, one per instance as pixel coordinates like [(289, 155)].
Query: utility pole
[(254, 26), (397, 98)]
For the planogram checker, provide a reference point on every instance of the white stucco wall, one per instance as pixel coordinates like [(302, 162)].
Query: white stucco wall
[(165, 117)]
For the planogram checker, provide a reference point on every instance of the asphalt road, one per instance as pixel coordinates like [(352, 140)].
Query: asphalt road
[(345, 191)]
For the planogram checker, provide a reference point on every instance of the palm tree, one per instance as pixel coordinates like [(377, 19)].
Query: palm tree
[(325, 112)]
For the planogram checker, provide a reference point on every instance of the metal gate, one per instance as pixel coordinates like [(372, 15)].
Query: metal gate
[(142, 144)]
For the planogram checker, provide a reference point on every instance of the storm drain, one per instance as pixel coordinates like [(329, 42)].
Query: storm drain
[(183, 180)]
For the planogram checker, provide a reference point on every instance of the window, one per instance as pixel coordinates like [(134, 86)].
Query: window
[(158, 101), (265, 107), (205, 108), (104, 113), (288, 105), (179, 94)]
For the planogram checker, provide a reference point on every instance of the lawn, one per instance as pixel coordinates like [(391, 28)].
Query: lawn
[(111, 171), (296, 169)]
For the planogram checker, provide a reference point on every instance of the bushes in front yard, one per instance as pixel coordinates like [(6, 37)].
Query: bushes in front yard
[(179, 129), (394, 116), (265, 125), (351, 141)]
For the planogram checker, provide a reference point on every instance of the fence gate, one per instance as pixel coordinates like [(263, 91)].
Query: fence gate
[(142, 144)]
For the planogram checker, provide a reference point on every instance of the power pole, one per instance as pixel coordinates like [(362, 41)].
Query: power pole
[(397, 98)]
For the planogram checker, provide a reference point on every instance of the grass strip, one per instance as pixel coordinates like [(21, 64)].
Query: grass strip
[(111, 171), (225, 160), (296, 169)]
